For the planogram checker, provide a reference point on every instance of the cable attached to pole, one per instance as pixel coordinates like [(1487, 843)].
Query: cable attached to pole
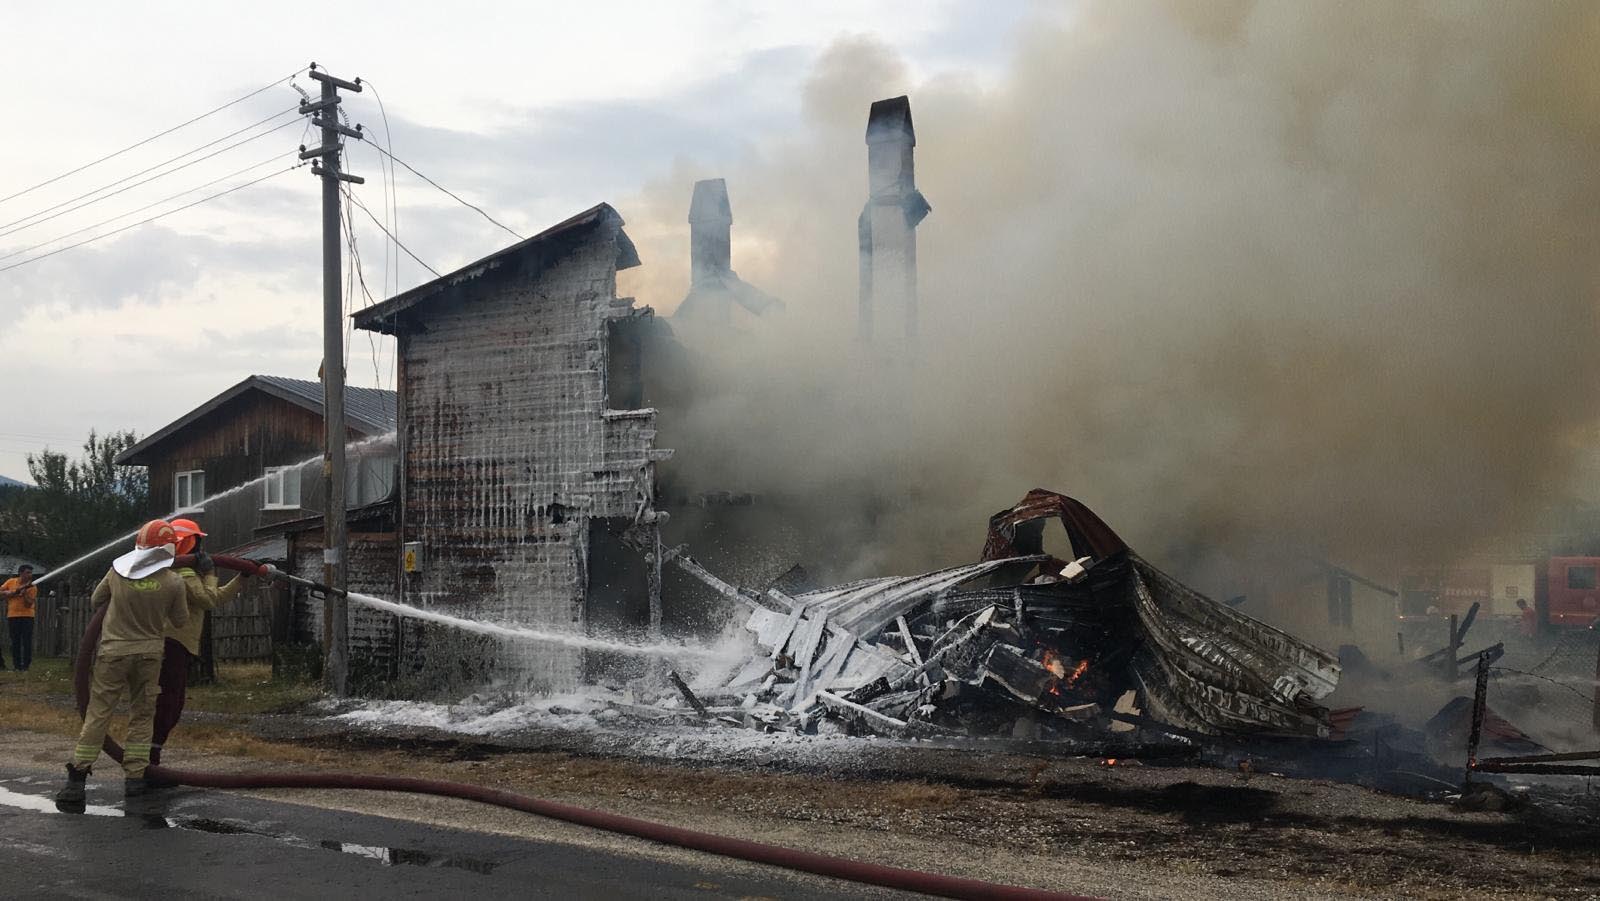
[(119, 231), (363, 207), (274, 158), (446, 190), (8, 230), (161, 134)]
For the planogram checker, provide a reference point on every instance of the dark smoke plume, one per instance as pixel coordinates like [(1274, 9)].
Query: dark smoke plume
[(1316, 274)]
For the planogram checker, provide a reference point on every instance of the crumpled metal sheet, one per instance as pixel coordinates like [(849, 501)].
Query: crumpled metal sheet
[(1018, 532), (1200, 665), (1196, 664), (868, 606)]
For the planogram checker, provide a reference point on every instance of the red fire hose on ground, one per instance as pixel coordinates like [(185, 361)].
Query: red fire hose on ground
[(742, 849)]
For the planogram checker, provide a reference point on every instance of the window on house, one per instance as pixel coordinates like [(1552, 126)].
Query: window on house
[(368, 480), (189, 490), (1581, 577), (282, 488)]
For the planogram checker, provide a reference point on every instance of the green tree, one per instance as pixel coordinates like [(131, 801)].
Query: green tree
[(76, 504)]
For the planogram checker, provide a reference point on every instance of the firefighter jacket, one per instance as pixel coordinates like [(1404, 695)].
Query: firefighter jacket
[(140, 611), (203, 595)]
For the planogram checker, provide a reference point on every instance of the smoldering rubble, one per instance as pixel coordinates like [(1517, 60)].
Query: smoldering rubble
[(1018, 643)]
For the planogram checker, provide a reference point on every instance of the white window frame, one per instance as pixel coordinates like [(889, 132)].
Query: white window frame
[(183, 489), (277, 477)]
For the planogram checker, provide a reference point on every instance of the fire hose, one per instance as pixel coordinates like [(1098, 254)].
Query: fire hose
[(742, 849)]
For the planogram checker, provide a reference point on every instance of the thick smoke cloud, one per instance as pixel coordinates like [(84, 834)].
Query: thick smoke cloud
[(1321, 275)]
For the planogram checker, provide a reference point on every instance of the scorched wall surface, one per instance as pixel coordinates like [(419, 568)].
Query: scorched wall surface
[(510, 449)]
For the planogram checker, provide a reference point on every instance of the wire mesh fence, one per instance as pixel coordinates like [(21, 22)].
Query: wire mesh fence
[(1541, 702)]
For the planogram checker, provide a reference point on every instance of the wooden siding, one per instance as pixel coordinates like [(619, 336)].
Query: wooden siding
[(510, 449), (234, 445), (373, 564)]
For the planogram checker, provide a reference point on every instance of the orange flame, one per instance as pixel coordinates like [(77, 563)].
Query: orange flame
[(1082, 667), (1052, 662)]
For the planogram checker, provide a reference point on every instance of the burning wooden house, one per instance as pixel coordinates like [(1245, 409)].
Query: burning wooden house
[(526, 459)]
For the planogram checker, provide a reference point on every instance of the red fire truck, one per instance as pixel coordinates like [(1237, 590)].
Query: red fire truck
[(1564, 591)]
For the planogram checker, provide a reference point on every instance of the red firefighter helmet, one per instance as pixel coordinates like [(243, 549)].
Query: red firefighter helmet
[(155, 533), (188, 532)]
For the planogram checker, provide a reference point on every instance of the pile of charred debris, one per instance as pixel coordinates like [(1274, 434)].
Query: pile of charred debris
[(1022, 645), (1099, 655)]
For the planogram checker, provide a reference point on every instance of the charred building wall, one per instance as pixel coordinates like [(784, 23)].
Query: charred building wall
[(516, 460)]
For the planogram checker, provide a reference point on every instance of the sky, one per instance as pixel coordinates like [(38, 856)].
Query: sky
[(533, 111)]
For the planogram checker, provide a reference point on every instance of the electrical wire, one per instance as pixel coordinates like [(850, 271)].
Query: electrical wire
[(363, 208), (391, 194), (448, 191), (359, 269), (7, 227), (1507, 669), (275, 157), (391, 262), (133, 225), (162, 134)]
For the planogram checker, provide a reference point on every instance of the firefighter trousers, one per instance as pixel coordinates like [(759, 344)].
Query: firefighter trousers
[(133, 674)]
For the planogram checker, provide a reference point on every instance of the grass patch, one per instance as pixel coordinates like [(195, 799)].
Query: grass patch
[(47, 676), (245, 688), (249, 688)]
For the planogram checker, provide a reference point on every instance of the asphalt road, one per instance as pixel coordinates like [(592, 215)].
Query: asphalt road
[(189, 843)]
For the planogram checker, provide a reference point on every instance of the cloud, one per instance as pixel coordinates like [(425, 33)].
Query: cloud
[(147, 265)]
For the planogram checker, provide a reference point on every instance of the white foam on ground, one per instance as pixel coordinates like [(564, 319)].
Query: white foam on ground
[(37, 804), (601, 715), (479, 717)]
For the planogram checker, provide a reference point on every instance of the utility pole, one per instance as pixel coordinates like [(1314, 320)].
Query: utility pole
[(335, 607)]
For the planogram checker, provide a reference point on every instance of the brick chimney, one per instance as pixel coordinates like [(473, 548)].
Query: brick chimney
[(887, 229), (714, 288), (710, 223)]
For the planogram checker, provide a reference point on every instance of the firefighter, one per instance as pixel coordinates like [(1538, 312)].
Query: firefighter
[(143, 597), (183, 641), (1528, 618)]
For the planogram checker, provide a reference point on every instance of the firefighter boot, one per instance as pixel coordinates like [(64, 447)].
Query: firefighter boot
[(71, 797), (134, 787)]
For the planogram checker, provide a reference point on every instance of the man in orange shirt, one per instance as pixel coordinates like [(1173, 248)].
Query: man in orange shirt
[(21, 600)]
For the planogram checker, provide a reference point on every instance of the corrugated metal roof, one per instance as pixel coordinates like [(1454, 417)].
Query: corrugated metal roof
[(381, 317), (373, 408), (370, 411)]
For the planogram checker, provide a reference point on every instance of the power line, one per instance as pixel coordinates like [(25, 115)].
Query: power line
[(360, 270), (9, 230), (391, 195), (447, 191), (363, 208), (273, 158), (153, 137), (151, 219), (355, 252)]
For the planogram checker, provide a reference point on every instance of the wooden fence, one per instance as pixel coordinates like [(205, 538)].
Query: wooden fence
[(242, 629)]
